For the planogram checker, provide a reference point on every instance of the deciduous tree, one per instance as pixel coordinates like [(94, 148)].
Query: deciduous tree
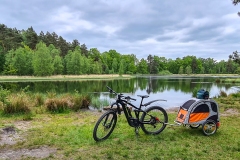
[(42, 60)]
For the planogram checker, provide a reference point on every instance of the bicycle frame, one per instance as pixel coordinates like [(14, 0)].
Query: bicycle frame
[(132, 121), (128, 113)]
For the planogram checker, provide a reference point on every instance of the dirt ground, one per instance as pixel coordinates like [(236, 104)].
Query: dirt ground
[(11, 135)]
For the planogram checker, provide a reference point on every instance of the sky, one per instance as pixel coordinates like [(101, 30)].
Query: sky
[(165, 28)]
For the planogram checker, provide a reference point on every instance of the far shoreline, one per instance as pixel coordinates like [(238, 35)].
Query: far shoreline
[(7, 78)]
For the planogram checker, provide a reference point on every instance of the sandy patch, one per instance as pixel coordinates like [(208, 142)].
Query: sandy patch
[(230, 112), (11, 135), (42, 152)]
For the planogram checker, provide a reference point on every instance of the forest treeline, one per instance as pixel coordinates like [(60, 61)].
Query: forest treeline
[(24, 52)]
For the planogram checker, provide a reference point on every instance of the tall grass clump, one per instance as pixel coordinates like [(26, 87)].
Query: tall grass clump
[(99, 103), (18, 103), (223, 94), (57, 105), (67, 102), (39, 99), (80, 101)]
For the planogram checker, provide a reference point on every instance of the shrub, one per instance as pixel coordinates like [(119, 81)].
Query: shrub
[(217, 80)]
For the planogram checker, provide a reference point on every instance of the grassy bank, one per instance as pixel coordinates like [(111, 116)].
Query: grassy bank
[(69, 136), (63, 77)]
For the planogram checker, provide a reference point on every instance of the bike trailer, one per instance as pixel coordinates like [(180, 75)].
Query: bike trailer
[(200, 112)]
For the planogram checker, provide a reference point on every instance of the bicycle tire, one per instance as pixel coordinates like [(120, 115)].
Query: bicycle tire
[(154, 120), (105, 126)]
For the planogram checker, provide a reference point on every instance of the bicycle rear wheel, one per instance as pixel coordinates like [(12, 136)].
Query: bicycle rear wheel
[(104, 126), (154, 120)]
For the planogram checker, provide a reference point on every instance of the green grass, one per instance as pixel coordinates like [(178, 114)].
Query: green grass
[(71, 135), (237, 80)]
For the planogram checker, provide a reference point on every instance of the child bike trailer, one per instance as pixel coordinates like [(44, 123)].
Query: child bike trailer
[(199, 112)]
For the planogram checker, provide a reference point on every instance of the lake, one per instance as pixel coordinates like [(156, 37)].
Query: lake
[(176, 90)]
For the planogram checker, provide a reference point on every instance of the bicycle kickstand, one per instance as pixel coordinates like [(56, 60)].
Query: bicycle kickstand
[(137, 130)]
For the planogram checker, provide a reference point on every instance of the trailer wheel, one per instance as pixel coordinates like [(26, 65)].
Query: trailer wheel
[(209, 127), (194, 126)]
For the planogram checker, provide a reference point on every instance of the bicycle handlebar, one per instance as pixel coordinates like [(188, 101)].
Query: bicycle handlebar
[(120, 95)]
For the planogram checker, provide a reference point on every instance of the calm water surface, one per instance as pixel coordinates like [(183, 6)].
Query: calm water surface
[(176, 90)]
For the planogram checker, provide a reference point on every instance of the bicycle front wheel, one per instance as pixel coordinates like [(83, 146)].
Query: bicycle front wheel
[(154, 120), (104, 126)]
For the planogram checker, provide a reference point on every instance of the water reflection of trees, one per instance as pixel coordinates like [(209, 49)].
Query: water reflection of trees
[(148, 84)]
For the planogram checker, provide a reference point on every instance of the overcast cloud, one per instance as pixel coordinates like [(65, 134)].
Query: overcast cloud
[(166, 28)]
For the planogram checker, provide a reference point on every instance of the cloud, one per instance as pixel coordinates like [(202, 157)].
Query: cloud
[(165, 28)]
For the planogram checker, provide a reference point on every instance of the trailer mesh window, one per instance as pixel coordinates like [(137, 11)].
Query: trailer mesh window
[(187, 104)]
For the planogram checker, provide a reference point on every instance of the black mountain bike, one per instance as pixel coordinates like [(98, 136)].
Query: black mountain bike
[(152, 120)]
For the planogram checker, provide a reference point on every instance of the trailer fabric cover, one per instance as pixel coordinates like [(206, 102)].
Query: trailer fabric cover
[(201, 112), (182, 113)]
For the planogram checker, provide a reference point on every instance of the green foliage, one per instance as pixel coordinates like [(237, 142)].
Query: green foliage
[(9, 68), (122, 67), (194, 92), (3, 94), (30, 38), (58, 65), (235, 95), (238, 70), (180, 70), (22, 61), (74, 62), (235, 55), (164, 72), (42, 61), (2, 61), (99, 103), (26, 53), (142, 67), (188, 70)]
